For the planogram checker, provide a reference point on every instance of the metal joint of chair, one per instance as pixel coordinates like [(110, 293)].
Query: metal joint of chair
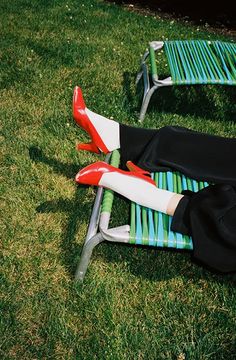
[(165, 82), (154, 47), (118, 234)]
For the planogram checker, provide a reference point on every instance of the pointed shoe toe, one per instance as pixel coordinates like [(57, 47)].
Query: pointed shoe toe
[(91, 174)]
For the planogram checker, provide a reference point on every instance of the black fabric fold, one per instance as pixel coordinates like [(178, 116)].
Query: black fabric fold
[(210, 217)]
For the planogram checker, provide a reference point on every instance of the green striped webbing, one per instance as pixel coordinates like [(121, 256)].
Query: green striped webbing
[(109, 194), (149, 227), (153, 61), (201, 62)]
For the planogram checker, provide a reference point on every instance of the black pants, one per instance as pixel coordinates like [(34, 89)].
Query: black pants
[(209, 216)]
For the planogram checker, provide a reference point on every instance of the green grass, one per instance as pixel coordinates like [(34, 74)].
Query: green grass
[(135, 303)]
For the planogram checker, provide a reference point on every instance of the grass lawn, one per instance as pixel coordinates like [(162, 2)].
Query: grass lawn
[(135, 303)]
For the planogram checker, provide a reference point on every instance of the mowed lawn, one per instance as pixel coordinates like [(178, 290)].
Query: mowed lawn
[(135, 302)]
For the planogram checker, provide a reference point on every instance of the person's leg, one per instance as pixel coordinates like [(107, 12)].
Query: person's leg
[(133, 185), (133, 143), (200, 156)]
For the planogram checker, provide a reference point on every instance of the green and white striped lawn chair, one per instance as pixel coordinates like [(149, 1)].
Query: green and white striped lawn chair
[(147, 227), (190, 62)]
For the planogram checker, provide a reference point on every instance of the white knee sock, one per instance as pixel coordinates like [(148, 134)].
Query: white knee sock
[(137, 190), (109, 130)]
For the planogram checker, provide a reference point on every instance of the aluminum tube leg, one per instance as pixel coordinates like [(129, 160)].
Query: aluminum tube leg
[(86, 255), (92, 238), (145, 102), (93, 224)]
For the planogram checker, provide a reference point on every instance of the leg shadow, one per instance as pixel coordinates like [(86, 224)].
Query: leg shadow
[(68, 170), (130, 101), (76, 209)]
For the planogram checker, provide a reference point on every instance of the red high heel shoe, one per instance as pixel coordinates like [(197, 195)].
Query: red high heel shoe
[(81, 118), (91, 174)]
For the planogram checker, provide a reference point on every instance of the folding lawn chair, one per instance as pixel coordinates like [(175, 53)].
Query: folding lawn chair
[(190, 62), (147, 227)]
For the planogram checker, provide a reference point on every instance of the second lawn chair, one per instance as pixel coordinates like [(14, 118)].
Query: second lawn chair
[(190, 62)]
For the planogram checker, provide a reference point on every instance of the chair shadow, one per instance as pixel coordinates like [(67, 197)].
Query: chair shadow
[(195, 100), (77, 209), (158, 264)]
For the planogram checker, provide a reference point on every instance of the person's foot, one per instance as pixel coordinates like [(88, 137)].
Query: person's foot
[(93, 174), (104, 133), (135, 185)]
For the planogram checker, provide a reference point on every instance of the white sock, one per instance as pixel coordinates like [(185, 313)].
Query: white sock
[(109, 130), (137, 190)]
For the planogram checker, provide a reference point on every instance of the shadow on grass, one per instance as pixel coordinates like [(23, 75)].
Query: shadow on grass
[(158, 264), (209, 101), (76, 209), (77, 213), (68, 170), (130, 100)]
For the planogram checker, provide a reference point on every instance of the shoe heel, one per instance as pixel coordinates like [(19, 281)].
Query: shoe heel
[(91, 147), (134, 168)]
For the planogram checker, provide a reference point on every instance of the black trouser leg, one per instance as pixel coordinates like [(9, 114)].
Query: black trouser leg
[(197, 155)]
